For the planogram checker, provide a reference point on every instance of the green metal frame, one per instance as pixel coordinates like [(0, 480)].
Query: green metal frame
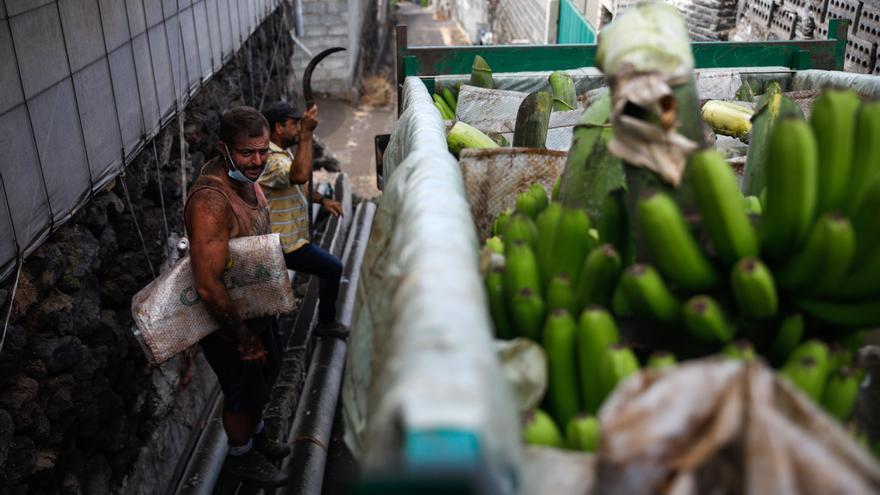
[(429, 61), (573, 27)]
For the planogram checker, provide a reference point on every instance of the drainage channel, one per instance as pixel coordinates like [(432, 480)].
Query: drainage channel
[(303, 403)]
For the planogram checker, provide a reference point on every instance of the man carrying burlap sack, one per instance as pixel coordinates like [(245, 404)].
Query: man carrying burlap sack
[(225, 203)]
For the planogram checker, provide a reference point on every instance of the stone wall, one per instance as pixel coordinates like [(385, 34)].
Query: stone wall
[(80, 409), (808, 19), (708, 20), (329, 23)]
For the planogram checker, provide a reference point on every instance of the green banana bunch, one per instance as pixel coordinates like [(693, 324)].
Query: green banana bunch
[(560, 295), (754, 289), (451, 99), (660, 360), (540, 194), (596, 331), (499, 226), (741, 350), (559, 344), (526, 204), (770, 108), (539, 429), (672, 246), (862, 313), (825, 258), (791, 188), (547, 223), (704, 319), (866, 154), (583, 433), (598, 277), (789, 335), (618, 363), (840, 393), (446, 113), (833, 119), (572, 243), (520, 227), (528, 309), (620, 305), (614, 225), (497, 303), (647, 296), (806, 374), (520, 270), (719, 203)]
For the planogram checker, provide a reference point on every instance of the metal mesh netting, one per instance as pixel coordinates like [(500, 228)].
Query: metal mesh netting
[(85, 83)]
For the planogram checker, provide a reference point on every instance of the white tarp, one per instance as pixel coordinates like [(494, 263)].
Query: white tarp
[(83, 83), (421, 353)]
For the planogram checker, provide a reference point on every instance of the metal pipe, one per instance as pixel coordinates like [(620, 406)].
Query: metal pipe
[(298, 18)]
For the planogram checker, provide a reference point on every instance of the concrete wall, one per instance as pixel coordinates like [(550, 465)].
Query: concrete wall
[(526, 21), (330, 23), (808, 19), (471, 15), (708, 20)]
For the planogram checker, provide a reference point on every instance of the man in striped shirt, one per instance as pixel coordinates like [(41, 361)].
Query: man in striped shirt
[(285, 182)]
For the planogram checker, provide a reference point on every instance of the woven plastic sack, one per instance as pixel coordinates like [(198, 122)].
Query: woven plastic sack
[(170, 316), (493, 178), (726, 427)]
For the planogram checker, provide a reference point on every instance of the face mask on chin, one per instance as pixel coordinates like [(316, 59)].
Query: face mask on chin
[(234, 173)]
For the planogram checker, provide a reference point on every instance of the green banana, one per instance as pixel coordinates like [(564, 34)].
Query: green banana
[(661, 360), (520, 228), (499, 226), (495, 245), (554, 195), (559, 344), (571, 244), (444, 109), (647, 296), (540, 196), (598, 277), (754, 289), (825, 258), (753, 205), (560, 294), (527, 204), (833, 119), (722, 211), (807, 375), (840, 357), (533, 120), (813, 349), (527, 310), (672, 246), (620, 304), (520, 270), (789, 335), (618, 363), (547, 223), (841, 393), (497, 303), (863, 280), (791, 188), (862, 313), (582, 433), (564, 96), (741, 350), (866, 154), (703, 317), (450, 100), (865, 220), (540, 429), (614, 225), (481, 73), (596, 331), (771, 106)]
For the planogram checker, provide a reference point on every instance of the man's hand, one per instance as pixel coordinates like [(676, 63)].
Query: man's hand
[(334, 207), (309, 120)]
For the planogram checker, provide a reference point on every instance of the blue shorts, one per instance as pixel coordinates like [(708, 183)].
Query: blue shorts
[(246, 386)]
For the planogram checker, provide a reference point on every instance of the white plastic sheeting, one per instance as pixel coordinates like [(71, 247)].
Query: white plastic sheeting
[(421, 353), (83, 84), (817, 79)]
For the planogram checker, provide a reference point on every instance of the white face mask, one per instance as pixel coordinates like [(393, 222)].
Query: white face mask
[(235, 173)]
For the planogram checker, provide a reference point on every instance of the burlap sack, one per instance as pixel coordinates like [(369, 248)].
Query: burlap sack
[(170, 316), (493, 178)]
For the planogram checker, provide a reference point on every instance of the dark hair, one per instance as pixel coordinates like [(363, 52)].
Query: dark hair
[(239, 120)]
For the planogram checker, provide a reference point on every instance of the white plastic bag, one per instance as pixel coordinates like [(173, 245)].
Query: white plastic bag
[(170, 316)]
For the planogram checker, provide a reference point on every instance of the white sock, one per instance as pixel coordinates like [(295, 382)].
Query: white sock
[(260, 427), (240, 450)]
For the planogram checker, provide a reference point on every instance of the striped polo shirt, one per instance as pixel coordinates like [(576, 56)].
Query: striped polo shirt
[(287, 202)]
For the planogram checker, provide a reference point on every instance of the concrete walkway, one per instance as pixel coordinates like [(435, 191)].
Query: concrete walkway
[(348, 129)]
